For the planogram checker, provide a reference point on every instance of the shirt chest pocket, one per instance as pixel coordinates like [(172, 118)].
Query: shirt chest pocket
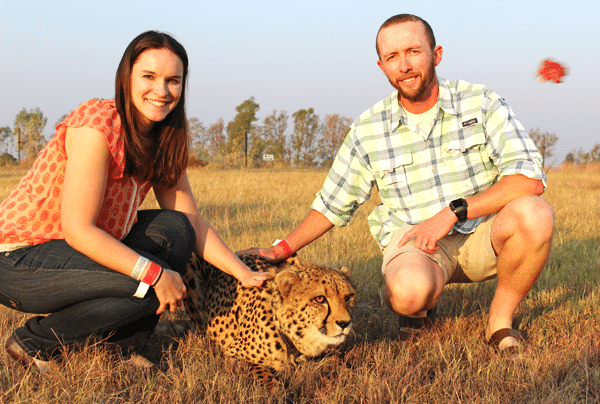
[(393, 181), (467, 154)]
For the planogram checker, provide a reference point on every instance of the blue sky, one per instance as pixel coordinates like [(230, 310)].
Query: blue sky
[(291, 55)]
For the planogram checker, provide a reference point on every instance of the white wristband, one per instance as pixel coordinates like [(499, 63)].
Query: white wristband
[(139, 267), (141, 290)]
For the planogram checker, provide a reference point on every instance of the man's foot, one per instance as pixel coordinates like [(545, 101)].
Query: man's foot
[(45, 368)]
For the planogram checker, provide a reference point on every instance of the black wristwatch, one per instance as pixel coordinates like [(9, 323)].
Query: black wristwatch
[(459, 207)]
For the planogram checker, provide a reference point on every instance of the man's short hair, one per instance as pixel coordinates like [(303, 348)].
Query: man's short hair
[(400, 18)]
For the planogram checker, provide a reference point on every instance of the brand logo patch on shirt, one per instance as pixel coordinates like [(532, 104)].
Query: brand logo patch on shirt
[(470, 122)]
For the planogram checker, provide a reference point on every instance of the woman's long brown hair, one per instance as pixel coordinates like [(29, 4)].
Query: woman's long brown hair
[(162, 156)]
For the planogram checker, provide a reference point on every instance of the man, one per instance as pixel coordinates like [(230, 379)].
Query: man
[(459, 180)]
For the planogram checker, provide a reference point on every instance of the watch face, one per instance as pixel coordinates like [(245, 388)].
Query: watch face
[(459, 203), (459, 207)]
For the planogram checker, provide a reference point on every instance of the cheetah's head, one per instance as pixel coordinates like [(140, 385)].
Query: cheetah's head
[(313, 305)]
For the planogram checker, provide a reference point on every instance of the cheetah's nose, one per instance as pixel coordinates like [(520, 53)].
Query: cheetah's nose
[(343, 324)]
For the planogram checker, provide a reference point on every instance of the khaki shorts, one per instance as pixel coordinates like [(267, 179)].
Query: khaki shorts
[(463, 257)]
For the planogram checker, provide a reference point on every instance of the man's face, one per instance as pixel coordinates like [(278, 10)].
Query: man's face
[(407, 60)]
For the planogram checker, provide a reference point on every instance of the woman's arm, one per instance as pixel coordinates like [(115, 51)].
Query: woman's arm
[(83, 195), (208, 243)]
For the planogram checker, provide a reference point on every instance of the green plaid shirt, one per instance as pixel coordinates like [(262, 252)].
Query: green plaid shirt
[(474, 141)]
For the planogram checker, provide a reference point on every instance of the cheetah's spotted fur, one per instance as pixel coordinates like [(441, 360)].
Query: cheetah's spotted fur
[(304, 311)]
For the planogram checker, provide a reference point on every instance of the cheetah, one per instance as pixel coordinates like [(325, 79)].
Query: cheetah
[(302, 312)]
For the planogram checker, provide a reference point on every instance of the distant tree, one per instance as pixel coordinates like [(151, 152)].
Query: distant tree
[(198, 139), (595, 153), (6, 139), (581, 157), (569, 158), (7, 159), (256, 143), (335, 129), (28, 130), (216, 138), (273, 133), (304, 139), (62, 118), (544, 141), (241, 125)]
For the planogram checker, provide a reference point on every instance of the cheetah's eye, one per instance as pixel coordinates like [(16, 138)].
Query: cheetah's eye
[(320, 299), (349, 298)]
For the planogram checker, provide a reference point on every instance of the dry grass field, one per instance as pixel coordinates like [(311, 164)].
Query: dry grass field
[(448, 364)]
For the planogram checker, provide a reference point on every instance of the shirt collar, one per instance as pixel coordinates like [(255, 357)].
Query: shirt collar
[(445, 102), (396, 114)]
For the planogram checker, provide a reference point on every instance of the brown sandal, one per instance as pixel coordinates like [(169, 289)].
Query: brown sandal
[(418, 323), (502, 333)]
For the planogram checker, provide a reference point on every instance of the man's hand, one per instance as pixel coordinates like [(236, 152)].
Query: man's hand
[(273, 254), (428, 233)]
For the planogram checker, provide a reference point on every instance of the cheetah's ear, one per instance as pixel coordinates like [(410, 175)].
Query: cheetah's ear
[(285, 280), (345, 271), (293, 260), (290, 262)]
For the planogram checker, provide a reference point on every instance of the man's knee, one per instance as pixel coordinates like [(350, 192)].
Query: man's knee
[(531, 216), (412, 286), (406, 300), (539, 225)]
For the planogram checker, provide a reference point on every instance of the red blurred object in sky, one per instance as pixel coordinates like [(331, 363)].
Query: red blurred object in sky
[(551, 70)]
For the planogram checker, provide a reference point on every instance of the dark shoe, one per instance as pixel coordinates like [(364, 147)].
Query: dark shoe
[(45, 368), (418, 323)]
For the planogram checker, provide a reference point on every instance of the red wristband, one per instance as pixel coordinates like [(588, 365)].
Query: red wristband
[(286, 248), (153, 273)]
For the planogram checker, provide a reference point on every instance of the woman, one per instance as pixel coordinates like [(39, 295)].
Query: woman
[(72, 239)]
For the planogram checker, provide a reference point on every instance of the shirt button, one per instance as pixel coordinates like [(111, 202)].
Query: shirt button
[(428, 142)]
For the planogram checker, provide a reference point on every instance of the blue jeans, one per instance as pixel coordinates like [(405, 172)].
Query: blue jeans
[(84, 298)]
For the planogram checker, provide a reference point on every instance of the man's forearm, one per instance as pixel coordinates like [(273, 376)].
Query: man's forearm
[(498, 195), (314, 225)]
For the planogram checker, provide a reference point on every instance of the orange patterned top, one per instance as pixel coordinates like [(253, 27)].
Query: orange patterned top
[(31, 213)]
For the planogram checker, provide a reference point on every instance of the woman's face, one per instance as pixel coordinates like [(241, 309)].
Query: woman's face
[(156, 86)]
